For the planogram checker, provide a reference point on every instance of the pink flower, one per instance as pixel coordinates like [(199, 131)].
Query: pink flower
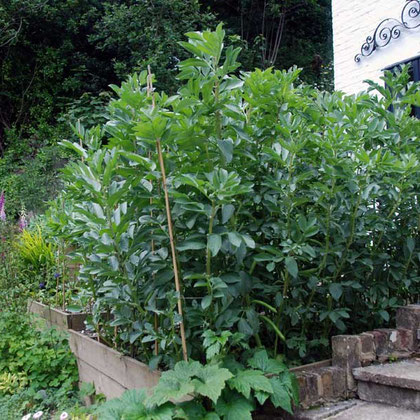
[(38, 415), (64, 416), (2, 207), (22, 222)]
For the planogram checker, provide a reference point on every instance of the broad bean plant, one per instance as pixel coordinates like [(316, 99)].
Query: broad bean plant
[(295, 212)]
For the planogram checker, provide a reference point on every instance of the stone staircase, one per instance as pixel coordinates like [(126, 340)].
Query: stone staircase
[(381, 372), (396, 384)]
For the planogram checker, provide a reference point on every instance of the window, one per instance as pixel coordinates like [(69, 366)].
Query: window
[(415, 77)]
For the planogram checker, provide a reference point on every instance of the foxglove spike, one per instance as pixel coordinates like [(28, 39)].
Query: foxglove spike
[(2, 207)]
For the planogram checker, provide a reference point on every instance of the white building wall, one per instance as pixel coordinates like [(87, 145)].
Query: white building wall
[(353, 21)]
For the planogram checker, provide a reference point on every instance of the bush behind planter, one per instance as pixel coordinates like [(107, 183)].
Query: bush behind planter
[(293, 209)]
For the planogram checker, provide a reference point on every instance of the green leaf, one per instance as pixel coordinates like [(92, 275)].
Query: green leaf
[(134, 336), (214, 243), (138, 159), (210, 381), (261, 396), (75, 147), (280, 397), (226, 147), (261, 361), (74, 308), (212, 351), (249, 379), (291, 266), (227, 212), (191, 245), (410, 245), (206, 302), (250, 243), (191, 410), (235, 408), (244, 327), (175, 384), (336, 290), (209, 416), (235, 239), (384, 315), (113, 261)]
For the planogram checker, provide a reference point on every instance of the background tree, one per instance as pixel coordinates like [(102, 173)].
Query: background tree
[(57, 59), (281, 33)]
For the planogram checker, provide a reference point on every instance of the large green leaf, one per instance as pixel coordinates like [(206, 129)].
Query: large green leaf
[(246, 380), (191, 245), (291, 266), (214, 243), (235, 407), (210, 381), (281, 397)]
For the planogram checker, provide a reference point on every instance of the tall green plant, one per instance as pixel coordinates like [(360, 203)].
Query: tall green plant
[(292, 208)]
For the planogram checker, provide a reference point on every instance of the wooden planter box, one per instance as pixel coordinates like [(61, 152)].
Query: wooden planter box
[(111, 372), (56, 317)]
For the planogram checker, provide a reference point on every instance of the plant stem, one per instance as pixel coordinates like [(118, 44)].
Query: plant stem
[(208, 257), (280, 311)]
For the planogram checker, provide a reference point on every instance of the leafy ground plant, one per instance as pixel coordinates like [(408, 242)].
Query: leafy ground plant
[(36, 366), (220, 389)]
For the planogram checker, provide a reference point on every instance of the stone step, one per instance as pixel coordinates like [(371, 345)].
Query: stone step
[(373, 411), (397, 384), (357, 410)]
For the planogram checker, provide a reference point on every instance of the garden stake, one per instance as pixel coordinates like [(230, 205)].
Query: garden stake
[(64, 292), (57, 279), (170, 229), (64, 272), (150, 92), (173, 251)]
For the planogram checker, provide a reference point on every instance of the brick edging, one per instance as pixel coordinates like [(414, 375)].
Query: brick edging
[(332, 380)]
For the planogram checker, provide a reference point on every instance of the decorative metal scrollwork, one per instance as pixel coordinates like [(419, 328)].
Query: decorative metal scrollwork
[(390, 29)]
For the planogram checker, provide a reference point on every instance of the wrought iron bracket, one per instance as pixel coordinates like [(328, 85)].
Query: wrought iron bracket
[(390, 29)]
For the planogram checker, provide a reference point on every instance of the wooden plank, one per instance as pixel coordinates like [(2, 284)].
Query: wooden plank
[(311, 366), (128, 372), (103, 383), (56, 317), (59, 319)]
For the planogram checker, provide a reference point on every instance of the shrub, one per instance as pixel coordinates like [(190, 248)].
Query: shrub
[(36, 253), (292, 208)]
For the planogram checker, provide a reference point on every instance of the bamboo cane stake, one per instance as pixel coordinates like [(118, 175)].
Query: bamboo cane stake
[(170, 226), (173, 251), (150, 92), (57, 279), (64, 287)]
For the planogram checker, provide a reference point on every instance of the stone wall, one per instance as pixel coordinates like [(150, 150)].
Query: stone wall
[(353, 21), (333, 380)]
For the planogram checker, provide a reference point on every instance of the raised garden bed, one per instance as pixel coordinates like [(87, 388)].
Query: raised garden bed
[(111, 372), (58, 318)]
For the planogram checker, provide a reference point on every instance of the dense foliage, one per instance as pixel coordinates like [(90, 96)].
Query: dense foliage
[(282, 34), (36, 367), (291, 208), (37, 370), (57, 59)]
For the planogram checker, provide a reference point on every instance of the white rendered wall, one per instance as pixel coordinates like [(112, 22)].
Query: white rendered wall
[(353, 21)]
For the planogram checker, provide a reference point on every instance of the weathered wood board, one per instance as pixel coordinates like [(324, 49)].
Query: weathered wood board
[(111, 372), (58, 318)]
